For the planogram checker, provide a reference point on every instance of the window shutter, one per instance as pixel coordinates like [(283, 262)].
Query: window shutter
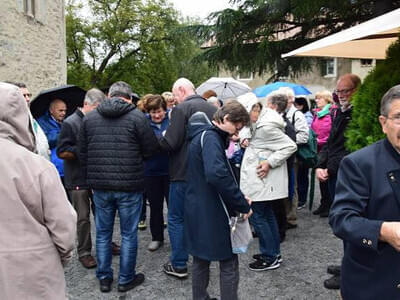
[(323, 65), (41, 11)]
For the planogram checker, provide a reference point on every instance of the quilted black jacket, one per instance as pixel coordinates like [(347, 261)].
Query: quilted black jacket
[(114, 140)]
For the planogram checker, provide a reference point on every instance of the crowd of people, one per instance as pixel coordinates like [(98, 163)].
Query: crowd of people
[(208, 160)]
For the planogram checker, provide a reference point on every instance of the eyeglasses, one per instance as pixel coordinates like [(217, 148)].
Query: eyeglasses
[(395, 119), (345, 91), (27, 95)]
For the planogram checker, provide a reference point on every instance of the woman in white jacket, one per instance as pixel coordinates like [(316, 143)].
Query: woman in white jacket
[(264, 179)]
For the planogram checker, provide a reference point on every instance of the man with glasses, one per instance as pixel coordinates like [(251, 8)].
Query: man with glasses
[(366, 213), (334, 150)]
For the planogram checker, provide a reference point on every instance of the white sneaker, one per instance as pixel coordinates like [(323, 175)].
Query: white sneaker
[(154, 245)]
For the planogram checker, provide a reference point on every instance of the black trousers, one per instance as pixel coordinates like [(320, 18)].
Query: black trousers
[(157, 189), (325, 195)]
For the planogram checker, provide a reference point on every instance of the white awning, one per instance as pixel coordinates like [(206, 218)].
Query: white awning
[(367, 40)]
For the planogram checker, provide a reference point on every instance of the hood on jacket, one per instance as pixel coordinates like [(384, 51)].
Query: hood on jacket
[(271, 118), (197, 123), (114, 107), (15, 123)]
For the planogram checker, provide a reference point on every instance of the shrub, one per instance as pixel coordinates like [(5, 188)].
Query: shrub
[(364, 128)]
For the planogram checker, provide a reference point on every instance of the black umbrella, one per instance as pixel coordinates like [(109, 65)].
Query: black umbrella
[(72, 95)]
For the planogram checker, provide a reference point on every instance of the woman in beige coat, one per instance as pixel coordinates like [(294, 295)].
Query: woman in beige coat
[(37, 223), (263, 179)]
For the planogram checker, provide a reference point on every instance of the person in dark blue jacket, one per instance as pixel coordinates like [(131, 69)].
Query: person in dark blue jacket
[(210, 181), (156, 181), (365, 213), (50, 122)]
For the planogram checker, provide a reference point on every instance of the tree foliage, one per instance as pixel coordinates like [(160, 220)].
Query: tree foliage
[(140, 42), (253, 36), (364, 128)]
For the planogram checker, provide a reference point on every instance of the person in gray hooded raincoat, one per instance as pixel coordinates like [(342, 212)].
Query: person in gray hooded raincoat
[(37, 223)]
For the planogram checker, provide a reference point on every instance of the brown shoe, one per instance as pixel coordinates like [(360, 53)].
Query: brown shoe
[(88, 261), (115, 249)]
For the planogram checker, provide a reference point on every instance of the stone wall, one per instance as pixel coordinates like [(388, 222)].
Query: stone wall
[(32, 43)]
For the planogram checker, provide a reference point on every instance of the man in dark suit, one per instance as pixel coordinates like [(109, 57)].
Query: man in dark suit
[(366, 212)]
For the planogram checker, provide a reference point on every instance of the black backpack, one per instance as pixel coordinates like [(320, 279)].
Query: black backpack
[(290, 131)]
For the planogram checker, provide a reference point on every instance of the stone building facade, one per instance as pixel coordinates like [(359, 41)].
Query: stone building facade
[(32, 43)]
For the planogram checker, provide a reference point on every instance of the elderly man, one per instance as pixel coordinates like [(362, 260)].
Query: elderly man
[(37, 223), (114, 140), (334, 150), (175, 143), (50, 122), (366, 213), (75, 182)]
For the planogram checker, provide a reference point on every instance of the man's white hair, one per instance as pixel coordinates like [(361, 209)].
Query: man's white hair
[(185, 83), (286, 91)]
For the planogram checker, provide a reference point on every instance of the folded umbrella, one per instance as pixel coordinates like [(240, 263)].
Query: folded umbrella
[(264, 90), (72, 95), (225, 88)]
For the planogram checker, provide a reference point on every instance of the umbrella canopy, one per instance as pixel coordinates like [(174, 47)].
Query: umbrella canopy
[(264, 90), (367, 40), (224, 87), (72, 95)]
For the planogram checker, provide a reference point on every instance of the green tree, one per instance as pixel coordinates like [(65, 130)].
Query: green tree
[(253, 36), (140, 43), (364, 128)]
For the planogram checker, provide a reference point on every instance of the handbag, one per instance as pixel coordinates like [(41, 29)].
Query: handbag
[(241, 235), (240, 231)]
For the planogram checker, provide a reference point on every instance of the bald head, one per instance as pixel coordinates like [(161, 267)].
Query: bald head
[(58, 109), (182, 89)]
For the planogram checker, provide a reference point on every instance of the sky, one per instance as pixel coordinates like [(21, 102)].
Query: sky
[(202, 8)]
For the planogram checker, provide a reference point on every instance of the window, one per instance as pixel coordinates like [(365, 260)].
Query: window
[(366, 62), (328, 67), (29, 7), (244, 75)]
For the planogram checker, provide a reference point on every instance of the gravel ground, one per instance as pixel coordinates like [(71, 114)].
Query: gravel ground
[(306, 253)]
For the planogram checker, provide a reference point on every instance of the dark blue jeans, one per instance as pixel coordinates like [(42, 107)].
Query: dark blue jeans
[(291, 182), (302, 184), (179, 255), (129, 205), (264, 223)]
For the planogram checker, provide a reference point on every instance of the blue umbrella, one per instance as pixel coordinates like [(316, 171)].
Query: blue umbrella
[(264, 90)]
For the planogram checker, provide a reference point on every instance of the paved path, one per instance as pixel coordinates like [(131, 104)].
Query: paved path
[(306, 252)]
